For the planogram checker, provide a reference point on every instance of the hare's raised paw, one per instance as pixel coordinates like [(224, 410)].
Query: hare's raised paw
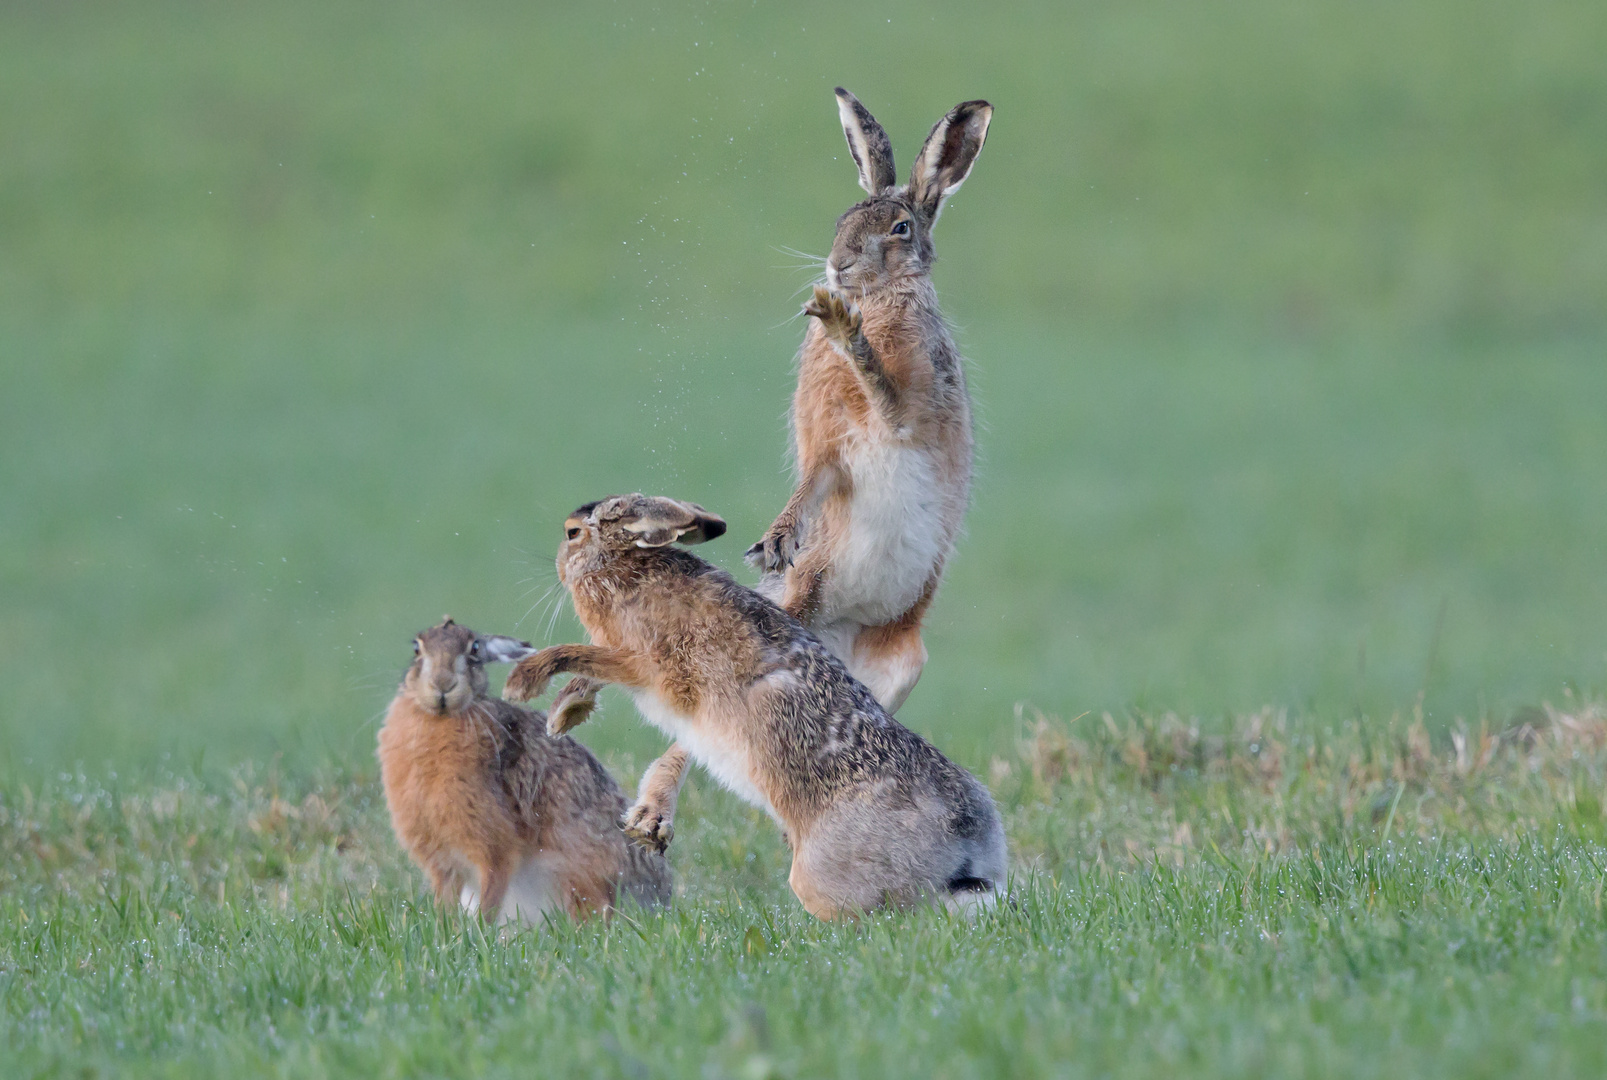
[(838, 315), (776, 551), (572, 707), (527, 680), (649, 826)]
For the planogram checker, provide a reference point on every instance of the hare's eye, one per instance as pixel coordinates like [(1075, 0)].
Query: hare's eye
[(474, 650), (415, 646), (572, 532), (901, 229)]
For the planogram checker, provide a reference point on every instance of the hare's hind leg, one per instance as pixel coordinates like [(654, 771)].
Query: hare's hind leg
[(842, 868), (446, 883), (820, 890), (495, 872), (651, 822), (888, 659)]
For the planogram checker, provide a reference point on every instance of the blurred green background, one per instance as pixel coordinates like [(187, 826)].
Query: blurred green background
[(1288, 327)]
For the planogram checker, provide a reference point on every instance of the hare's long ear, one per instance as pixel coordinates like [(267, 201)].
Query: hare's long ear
[(873, 153), (496, 649), (659, 521), (950, 151)]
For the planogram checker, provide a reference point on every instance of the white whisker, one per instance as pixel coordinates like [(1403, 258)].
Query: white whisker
[(795, 316), (557, 609), (540, 600), (817, 260)]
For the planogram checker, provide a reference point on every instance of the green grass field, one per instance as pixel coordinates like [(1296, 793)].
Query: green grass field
[(1288, 330)]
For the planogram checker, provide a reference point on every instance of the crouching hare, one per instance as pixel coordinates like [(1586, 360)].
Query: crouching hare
[(873, 813), (506, 819)]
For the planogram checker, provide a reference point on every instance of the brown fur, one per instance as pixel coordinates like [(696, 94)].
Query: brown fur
[(480, 793), (879, 381), (875, 815)]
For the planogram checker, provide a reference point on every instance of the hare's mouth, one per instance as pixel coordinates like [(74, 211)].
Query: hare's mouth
[(446, 702), (850, 281)]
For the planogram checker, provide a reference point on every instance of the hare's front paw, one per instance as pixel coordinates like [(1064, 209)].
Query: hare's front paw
[(776, 551), (649, 825), (529, 677), (838, 315), (573, 705)]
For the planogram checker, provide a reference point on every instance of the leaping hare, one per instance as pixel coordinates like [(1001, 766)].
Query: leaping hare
[(503, 817), (874, 814)]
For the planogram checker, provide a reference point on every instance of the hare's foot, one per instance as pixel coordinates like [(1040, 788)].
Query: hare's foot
[(839, 317), (776, 550), (573, 705), (650, 824), (651, 821)]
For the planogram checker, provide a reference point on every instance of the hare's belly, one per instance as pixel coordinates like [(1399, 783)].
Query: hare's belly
[(900, 526), (725, 759)]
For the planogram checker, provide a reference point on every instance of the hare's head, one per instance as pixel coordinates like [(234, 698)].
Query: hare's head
[(888, 237), (601, 531), (449, 661)]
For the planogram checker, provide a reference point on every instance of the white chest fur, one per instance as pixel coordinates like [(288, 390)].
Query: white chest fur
[(726, 759), (900, 527), (533, 892)]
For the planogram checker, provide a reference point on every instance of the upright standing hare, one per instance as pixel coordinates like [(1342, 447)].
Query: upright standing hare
[(510, 820), (881, 425), (874, 814), (881, 418)]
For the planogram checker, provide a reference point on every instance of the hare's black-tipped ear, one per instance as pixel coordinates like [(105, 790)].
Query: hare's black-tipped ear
[(496, 649), (950, 151), (657, 522), (705, 526), (873, 153)]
